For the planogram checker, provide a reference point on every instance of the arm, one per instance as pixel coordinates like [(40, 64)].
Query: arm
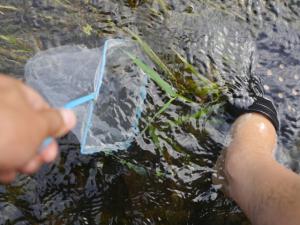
[(268, 193)]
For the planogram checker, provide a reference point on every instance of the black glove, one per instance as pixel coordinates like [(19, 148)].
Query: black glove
[(245, 96)]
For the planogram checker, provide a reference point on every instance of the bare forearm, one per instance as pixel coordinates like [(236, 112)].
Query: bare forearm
[(267, 192)]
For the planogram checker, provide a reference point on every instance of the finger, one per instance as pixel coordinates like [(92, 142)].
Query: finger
[(47, 156), (50, 153), (33, 98), (7, 177), (32, 166), (56, 123)]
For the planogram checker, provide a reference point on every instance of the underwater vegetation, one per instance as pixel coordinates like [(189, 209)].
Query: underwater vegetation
[(203, 91), (165, 176), (199, 90)]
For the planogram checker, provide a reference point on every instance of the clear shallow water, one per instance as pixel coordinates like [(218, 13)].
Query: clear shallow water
[(165, 177)]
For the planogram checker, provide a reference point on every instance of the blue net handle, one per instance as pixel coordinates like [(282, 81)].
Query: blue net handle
[(98, 82), (70, 105), (80, 101)]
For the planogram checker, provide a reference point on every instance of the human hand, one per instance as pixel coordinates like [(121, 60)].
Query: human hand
[(247, 95), (26, 120), (244, 92)]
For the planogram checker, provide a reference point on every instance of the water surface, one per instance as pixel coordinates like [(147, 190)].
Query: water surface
[(165, 176)]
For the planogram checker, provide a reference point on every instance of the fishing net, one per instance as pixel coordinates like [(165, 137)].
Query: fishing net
[(103, 86)]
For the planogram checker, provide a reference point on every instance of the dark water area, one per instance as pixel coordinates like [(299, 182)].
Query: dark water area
[(166, 175)]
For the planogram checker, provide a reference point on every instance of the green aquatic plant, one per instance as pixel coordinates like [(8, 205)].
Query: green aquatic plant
[(17, 43), (192, 69), (14, 55), (206, 86), (164, 6), (133, 3), (203, 87), (87, 29), (206, 108), (203, 111), (9, 39), (138, 169), (7, 7), (154, 76), (151, 54), (62, 2), (13, 49), (169, 90), (162, 110)]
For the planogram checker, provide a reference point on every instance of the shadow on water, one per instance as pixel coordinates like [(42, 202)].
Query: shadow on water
[(165, 176)]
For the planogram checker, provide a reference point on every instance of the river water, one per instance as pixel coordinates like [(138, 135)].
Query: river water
[(165, 176)]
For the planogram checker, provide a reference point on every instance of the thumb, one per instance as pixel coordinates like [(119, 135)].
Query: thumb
[(56, 122)]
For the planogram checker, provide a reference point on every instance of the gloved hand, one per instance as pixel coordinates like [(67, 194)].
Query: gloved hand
[(247, 95)]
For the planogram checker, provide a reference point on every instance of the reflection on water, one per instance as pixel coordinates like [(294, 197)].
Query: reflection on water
[(165, 177)]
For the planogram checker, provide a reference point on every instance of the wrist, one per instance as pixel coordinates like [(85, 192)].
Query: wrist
[(251, 148), (253, 133)]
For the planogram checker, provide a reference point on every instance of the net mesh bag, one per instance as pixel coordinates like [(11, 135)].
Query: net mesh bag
[(103, 86)]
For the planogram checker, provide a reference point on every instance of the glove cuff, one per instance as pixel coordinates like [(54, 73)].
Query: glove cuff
[(266, 107), (261, 105)]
